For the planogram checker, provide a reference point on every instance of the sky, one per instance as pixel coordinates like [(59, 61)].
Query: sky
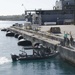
[(14, 7)]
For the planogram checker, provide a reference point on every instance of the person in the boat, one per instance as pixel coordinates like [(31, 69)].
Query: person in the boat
[(36, 46), (23, 54), (40, 46), (47, 50)]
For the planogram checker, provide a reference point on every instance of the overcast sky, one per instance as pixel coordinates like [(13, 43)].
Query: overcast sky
[(14, 7)]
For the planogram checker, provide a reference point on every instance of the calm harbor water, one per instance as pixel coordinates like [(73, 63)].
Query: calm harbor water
[(8, 45)]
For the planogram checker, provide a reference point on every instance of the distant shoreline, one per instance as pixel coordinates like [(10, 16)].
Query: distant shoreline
[(13, 18)]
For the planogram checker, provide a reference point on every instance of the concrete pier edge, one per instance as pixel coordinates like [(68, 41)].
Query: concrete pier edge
[(66, 53)]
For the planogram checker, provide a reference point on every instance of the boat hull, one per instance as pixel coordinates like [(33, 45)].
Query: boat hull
[(31, 57)]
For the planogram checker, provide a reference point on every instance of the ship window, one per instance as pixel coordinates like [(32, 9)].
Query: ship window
[(57, 6)]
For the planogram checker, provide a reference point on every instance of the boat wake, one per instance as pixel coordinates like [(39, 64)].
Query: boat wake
[(4, 60)]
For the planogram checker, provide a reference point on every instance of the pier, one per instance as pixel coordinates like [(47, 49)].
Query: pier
[(50, 40), (34, 36)]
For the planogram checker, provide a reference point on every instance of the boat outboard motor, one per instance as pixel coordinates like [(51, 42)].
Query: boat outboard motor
[(14, 57)]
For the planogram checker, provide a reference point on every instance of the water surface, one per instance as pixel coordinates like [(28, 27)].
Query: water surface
[(8, 45)]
